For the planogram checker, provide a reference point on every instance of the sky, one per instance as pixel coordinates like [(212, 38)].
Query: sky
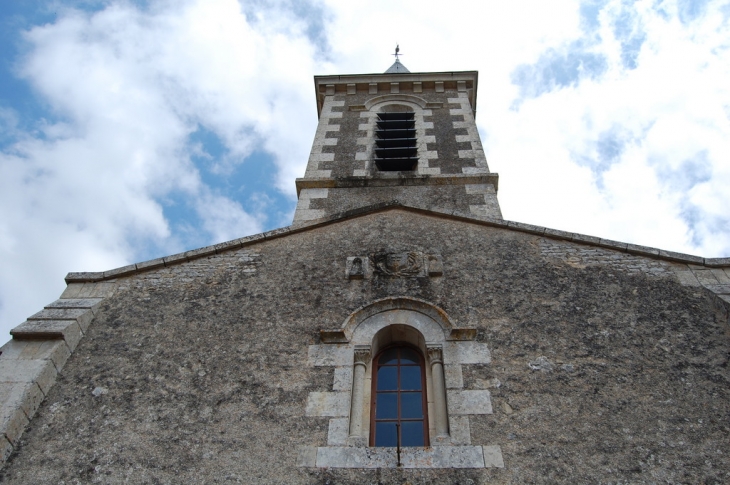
[(131, 130)]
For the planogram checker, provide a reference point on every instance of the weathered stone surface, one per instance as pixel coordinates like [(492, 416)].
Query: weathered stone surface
[(89, 303), (41, 372), (493, 456), (469, 402), (206, 364), (82, 316), (423, 458), (330, 354), (68, 330), (55, 350), (12, 420), (328, 404), (466, 353), (343, 379), (337, 432)]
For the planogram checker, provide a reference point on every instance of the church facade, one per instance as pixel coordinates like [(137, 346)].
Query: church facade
[(399, 331)]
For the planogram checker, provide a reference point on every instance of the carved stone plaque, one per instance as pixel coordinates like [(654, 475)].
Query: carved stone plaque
[(407, 264), (410, 264)]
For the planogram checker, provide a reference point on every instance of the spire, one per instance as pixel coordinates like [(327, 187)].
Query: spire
[(397, 67)]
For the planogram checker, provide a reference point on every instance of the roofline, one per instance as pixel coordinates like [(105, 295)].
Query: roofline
[(406, 77), (180, 258)]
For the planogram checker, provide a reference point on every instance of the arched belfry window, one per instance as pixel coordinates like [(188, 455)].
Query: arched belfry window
[(399, 407), (395, 139)]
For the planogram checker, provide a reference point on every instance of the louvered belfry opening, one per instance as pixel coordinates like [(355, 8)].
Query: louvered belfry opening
[(395, 142)]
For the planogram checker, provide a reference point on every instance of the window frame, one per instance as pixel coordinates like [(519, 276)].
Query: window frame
[(424, 392)]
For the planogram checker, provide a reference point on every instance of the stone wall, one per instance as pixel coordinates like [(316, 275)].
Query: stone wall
[(605, 366)]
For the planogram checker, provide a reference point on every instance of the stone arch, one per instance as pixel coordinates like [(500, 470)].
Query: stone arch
[(414, 102), (401, 310)]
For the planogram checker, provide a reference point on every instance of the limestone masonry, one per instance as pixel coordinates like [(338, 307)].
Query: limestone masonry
[(547, 357)]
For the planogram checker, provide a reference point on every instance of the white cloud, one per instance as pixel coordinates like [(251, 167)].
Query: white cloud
[(632, 147), (127, 88)]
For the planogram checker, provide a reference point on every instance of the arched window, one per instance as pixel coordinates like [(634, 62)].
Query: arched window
[(399, 398)]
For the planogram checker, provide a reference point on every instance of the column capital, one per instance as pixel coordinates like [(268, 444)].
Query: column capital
[(435, 354), (362, 355)]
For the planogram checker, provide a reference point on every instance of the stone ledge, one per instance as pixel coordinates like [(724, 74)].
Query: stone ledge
[(394, 179), (75, 303), (411, 457), (67, 330), (82, 316)]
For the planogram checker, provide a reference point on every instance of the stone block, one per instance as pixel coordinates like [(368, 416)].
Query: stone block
[(453, 376), (641, 250), (687, 278), (5, 449), (12, 422), (469, 402), (151, 264), (526, 227), (719, 289), (200, 252), (338, 431), (459, 430), (680, 257), (82, 316), (67, 330), (84, 303), (123, 271), (174, 258), (330, 354), (705, 277), (558, 234), (466, 352), (41, 371), (493, 457), (608, 243), (25, 396), (82, 277), (72, 290), (411, 457), (717, 262), (55, 350), (343, 379), (225, 246), (307, 456), (722, 277), (334, 404), (100, 289)]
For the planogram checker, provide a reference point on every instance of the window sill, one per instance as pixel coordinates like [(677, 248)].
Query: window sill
[(411, 457)]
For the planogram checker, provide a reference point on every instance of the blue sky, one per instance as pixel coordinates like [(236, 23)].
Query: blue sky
[(132, 130)]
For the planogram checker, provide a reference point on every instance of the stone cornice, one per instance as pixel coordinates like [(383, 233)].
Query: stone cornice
[(393, 179), (426, 81)]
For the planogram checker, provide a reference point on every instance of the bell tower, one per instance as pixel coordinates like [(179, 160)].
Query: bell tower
[(402, 136)]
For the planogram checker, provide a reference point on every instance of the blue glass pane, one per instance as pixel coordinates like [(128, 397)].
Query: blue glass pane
[(386, 405), (408, 356), (388, 378), (410, 378), (385, 434), (390, 356), (411, 433), (411, 405)]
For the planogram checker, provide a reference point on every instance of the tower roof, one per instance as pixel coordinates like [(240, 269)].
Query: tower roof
[(396, 68)]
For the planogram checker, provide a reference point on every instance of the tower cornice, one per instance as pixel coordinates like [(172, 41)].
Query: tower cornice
[(413, 82)]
